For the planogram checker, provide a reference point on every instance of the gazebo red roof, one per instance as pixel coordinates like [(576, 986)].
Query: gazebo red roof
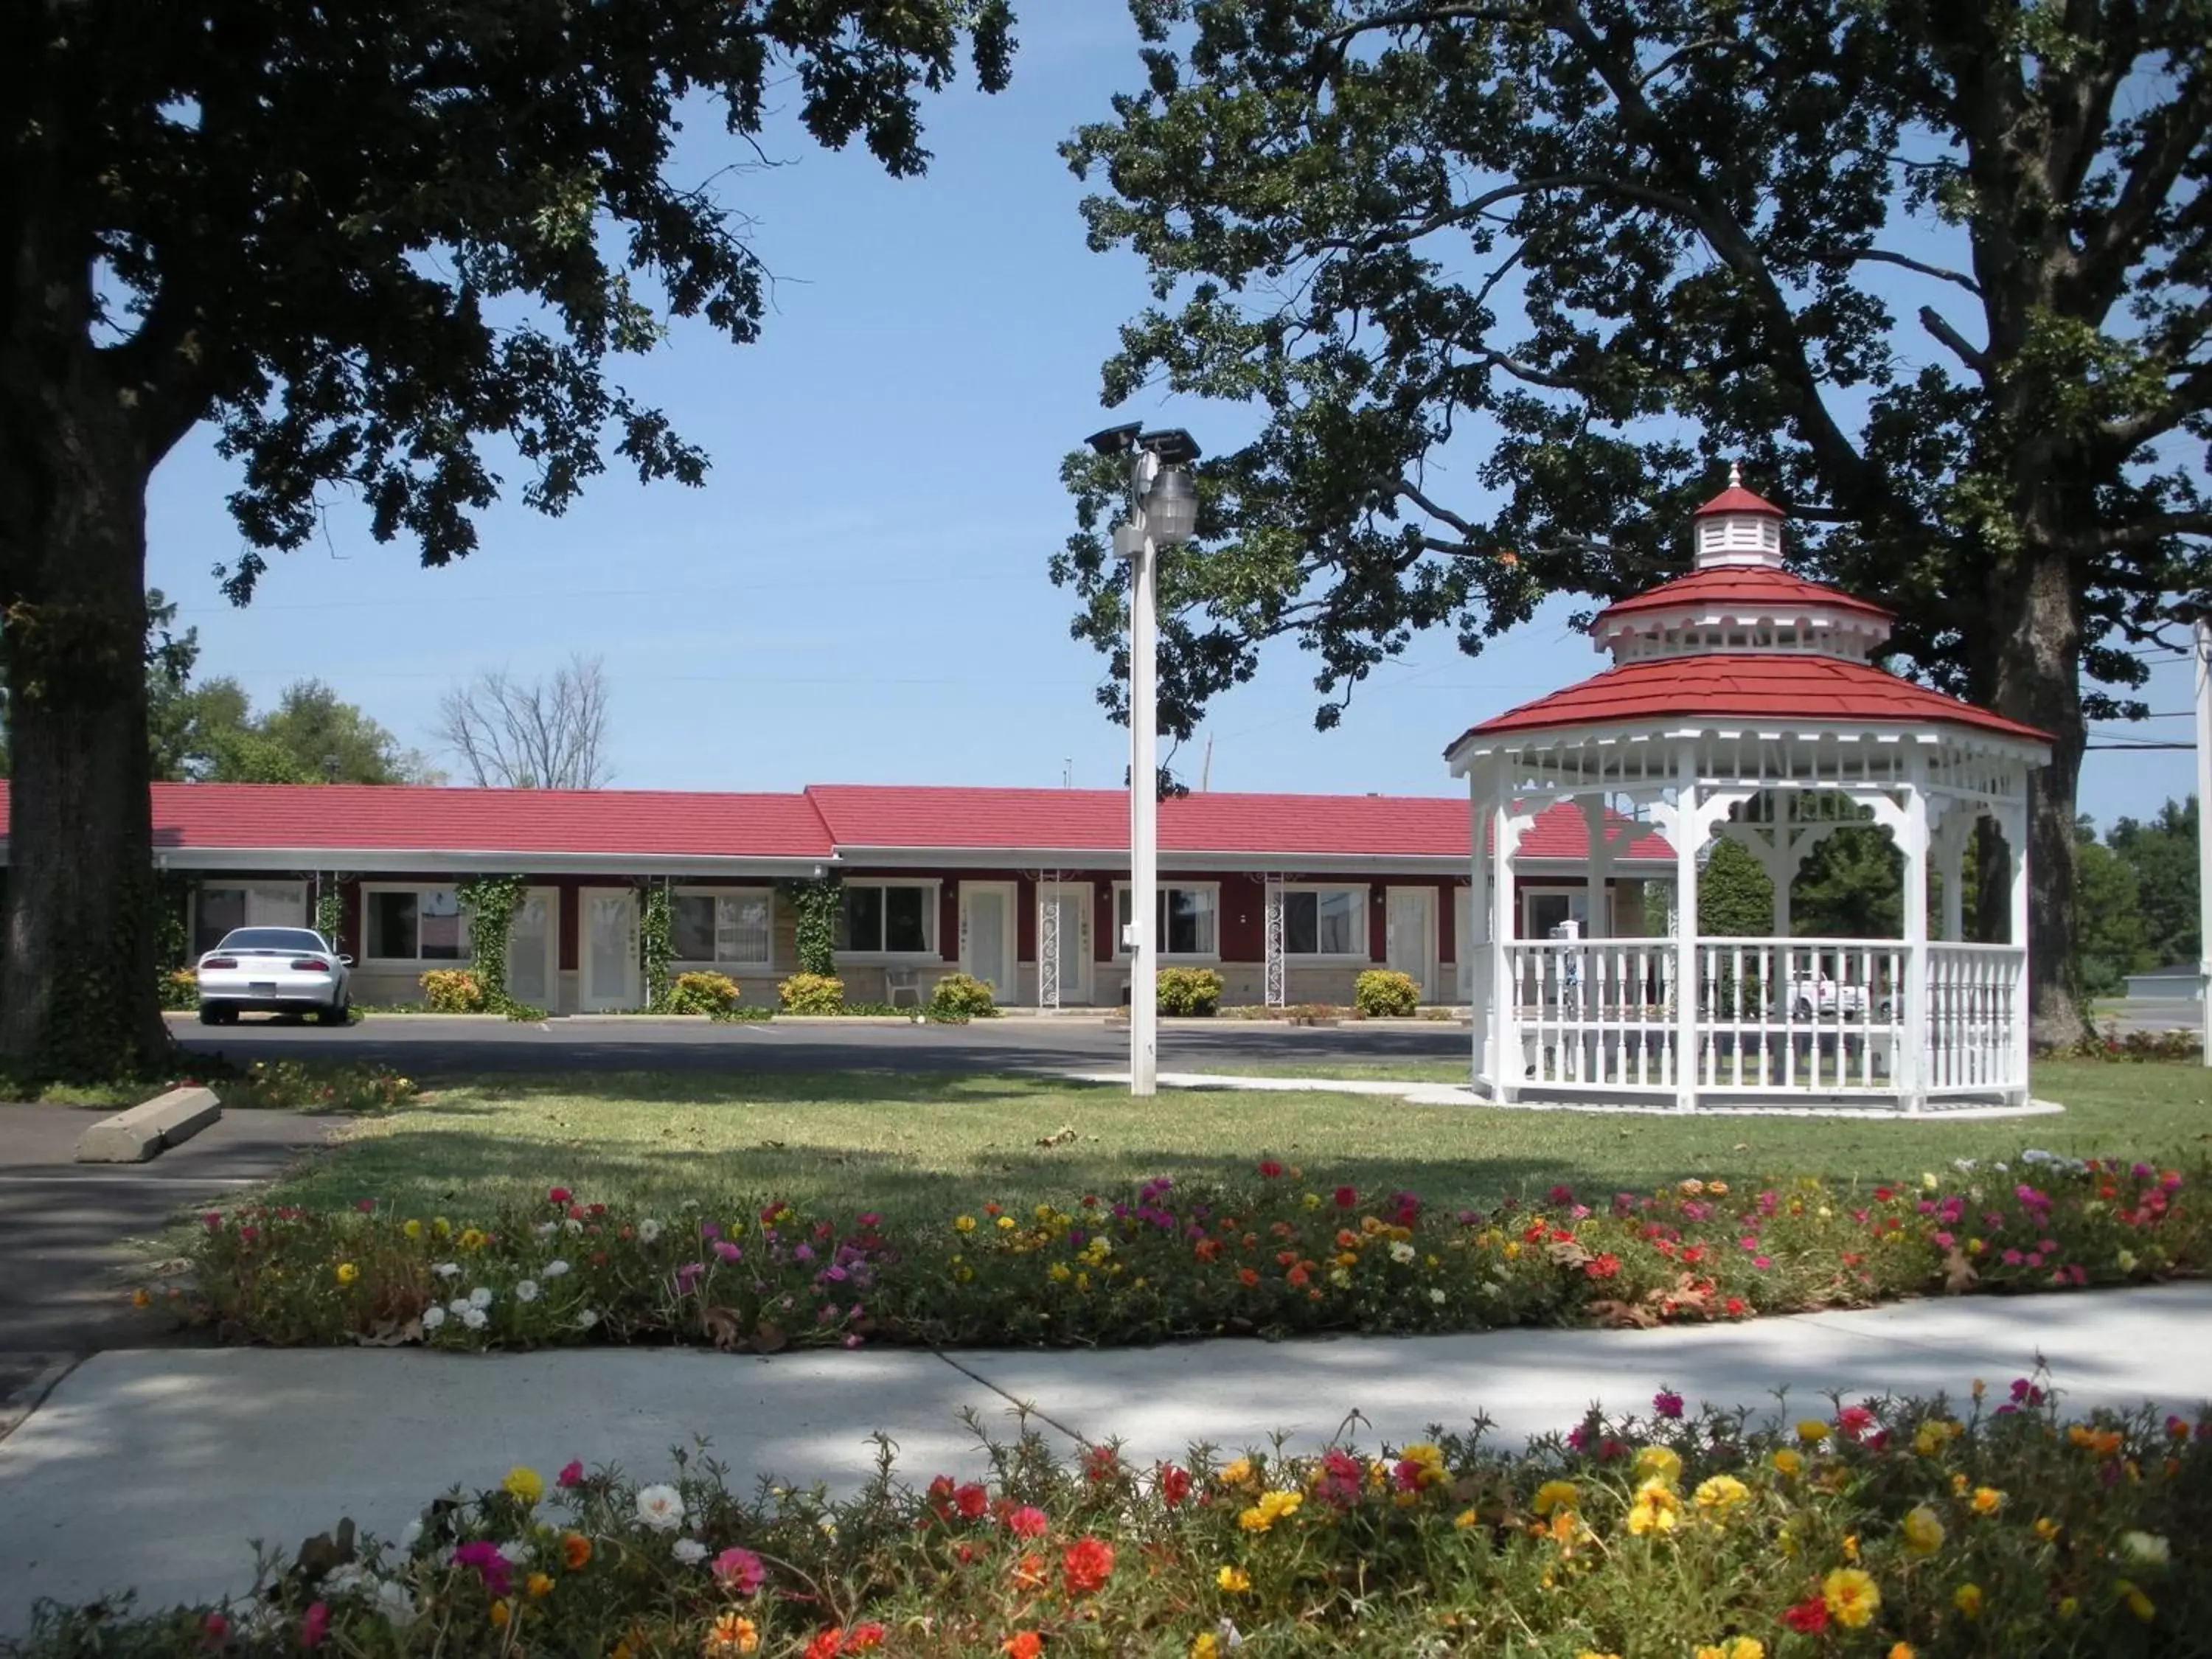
[(1740, 584), (1773, 686), (1737, 499)]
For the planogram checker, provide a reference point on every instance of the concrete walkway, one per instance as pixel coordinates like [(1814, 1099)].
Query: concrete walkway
[(154, 1468)]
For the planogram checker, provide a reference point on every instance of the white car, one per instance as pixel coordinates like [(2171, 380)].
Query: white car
[(280, 970), (1816, 994)]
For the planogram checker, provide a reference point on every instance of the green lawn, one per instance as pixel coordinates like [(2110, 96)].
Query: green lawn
[(926, 1147)]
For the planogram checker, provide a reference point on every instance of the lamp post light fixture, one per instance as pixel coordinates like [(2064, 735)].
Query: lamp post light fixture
[(1163, 512)]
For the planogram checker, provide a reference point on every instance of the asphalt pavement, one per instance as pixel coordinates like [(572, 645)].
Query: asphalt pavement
[(432, 1046), (66, 1249)]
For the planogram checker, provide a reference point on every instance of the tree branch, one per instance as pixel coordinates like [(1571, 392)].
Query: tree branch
[(1973, 358), (1847, 256), (2177, 131), (1411, 493), (2192, 397), (2141, 532)]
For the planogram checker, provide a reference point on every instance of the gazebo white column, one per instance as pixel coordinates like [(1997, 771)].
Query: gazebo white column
[(2012, 825), (1598, 843), (1689, 834), (1502, 827)]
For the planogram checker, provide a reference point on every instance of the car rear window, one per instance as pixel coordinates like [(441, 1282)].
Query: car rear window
[(270, 939)]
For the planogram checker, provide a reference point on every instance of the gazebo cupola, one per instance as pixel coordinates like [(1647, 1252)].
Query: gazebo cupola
[(1745, 702)]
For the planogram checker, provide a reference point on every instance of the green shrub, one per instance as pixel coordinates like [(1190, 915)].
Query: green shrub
[(181, 988), (811, 994), (1189, 991), (702, 993), (452, 991), (958, 996), (1383, 993)]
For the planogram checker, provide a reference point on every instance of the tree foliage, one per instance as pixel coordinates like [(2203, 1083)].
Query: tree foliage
[(2161, 855), (1506, 282), (311, 736), (391, 253)]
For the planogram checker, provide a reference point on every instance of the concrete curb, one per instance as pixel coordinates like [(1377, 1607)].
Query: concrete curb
[(150, 1128)]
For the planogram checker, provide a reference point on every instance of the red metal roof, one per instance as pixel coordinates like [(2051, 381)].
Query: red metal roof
[(243, 817), (1756, 684), (1737, 499), (920, 817), (1749, 584)]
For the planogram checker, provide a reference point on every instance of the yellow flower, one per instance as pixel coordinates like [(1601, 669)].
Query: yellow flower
[(1006, 1223), (2141, 1605), (538, 1584), (1967, 1598), (1812, 1432), (1553, 1495), (733, 1633), (965, 1224), (441, 1227), (1428, 1464), (1272, 1507), (2068, 1606), (1786, 1464), (347, 1272), (1236, 1473), (1058, 1273), (1852, 1549), (2046, 1527), (1750, 1647), (1721, 1494), (1233, 1580), (1987, 1500), (1851, 1597), (1588, 1653), (523, 1483), (472, 1239), (413, 1230), (1922, 1530), (1658, 1463), (499, 1614), (1958, 1485), (1464, 1519), (1655, 1509), (1900, 1651), (142, 1297), (1203, 1646)]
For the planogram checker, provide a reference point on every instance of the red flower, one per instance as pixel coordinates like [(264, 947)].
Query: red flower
[(1346, 1197), (1029, 1572), (941, 1492), (316, 1626), (1023, 1645), (1100, 1463), (1604, 1266), (558, 1195), (215, 1629), (1734, 1307), (572, 1475), (825, 1645), (1809, 1617), (971, 1501), (1027, 1521), (1854, 1421), (1174, 1484), (1086, 1564), (1247, 1277), (366, 1205), (1269, 1169), (861, 1638)]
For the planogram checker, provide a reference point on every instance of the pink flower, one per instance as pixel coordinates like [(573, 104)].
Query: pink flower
[(1346, 1197), (1667, 1403), (558, 1195), (490, 1566), (738, 1571), (572, 1475), (315, 1626), (215, 1629), (1761, 1262), (1027, 1521)]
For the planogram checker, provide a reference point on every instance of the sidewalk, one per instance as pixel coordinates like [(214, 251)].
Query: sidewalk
[(154, 1468)]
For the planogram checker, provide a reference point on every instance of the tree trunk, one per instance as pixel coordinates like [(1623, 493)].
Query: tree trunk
[(77, 993), (2035, 677)]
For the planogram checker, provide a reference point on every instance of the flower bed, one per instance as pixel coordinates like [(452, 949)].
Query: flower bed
[(1896, 1528), (1282, 1255)]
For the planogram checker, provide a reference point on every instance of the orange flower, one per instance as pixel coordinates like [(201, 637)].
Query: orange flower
[(1297, 1276), (733, 1635), (861, 1638), (1086, 1564), (1023, 1645), (1029, 1572), (538, 1585), (1247, 1277), (575, 1551), (825, 1645)]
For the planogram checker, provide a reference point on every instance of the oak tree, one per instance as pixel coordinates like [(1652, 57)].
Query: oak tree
[(387, 248), (1508, 283)]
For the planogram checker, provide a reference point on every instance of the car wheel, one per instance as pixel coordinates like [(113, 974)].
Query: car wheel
[(210, 1015), (339, 1013)]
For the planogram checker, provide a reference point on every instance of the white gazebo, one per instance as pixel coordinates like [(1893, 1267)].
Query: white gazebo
[(1742, 702)]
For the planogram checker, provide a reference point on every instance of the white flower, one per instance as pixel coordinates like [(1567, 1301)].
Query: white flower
[(474, 1318), (554, 1268), (648, 1232), (586, 1320), (459, 1307), (447, 1270), (661, 1508), (2125, 1261), (345, 1578), (411, 1534), (544, 1229), (393, 1601), (480, 1296), (432, 1317), (2145, 1548), (515, 1552), (689, 1550), (1231, 1637), (527, 1291), (1402, 1253), (572, 1225), (1436, 1297)]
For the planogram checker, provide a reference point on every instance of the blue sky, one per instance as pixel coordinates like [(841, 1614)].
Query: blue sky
[(859, 593)]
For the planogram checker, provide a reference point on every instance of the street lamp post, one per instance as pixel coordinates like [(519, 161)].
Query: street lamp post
[(1163, 512)]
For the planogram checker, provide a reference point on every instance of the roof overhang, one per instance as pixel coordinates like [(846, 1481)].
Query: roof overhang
[(1479, 746), (369, 861)]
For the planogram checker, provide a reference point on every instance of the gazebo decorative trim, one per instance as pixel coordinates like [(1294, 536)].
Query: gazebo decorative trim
[(1709, 724)]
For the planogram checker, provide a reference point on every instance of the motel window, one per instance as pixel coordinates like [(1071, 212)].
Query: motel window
[(1188, 920), (220, 906), (414, 924), (728, 929), (1543, 909), (1325, 921), (888, 919)]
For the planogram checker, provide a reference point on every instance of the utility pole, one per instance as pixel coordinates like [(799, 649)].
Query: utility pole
[(2202, 634)]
